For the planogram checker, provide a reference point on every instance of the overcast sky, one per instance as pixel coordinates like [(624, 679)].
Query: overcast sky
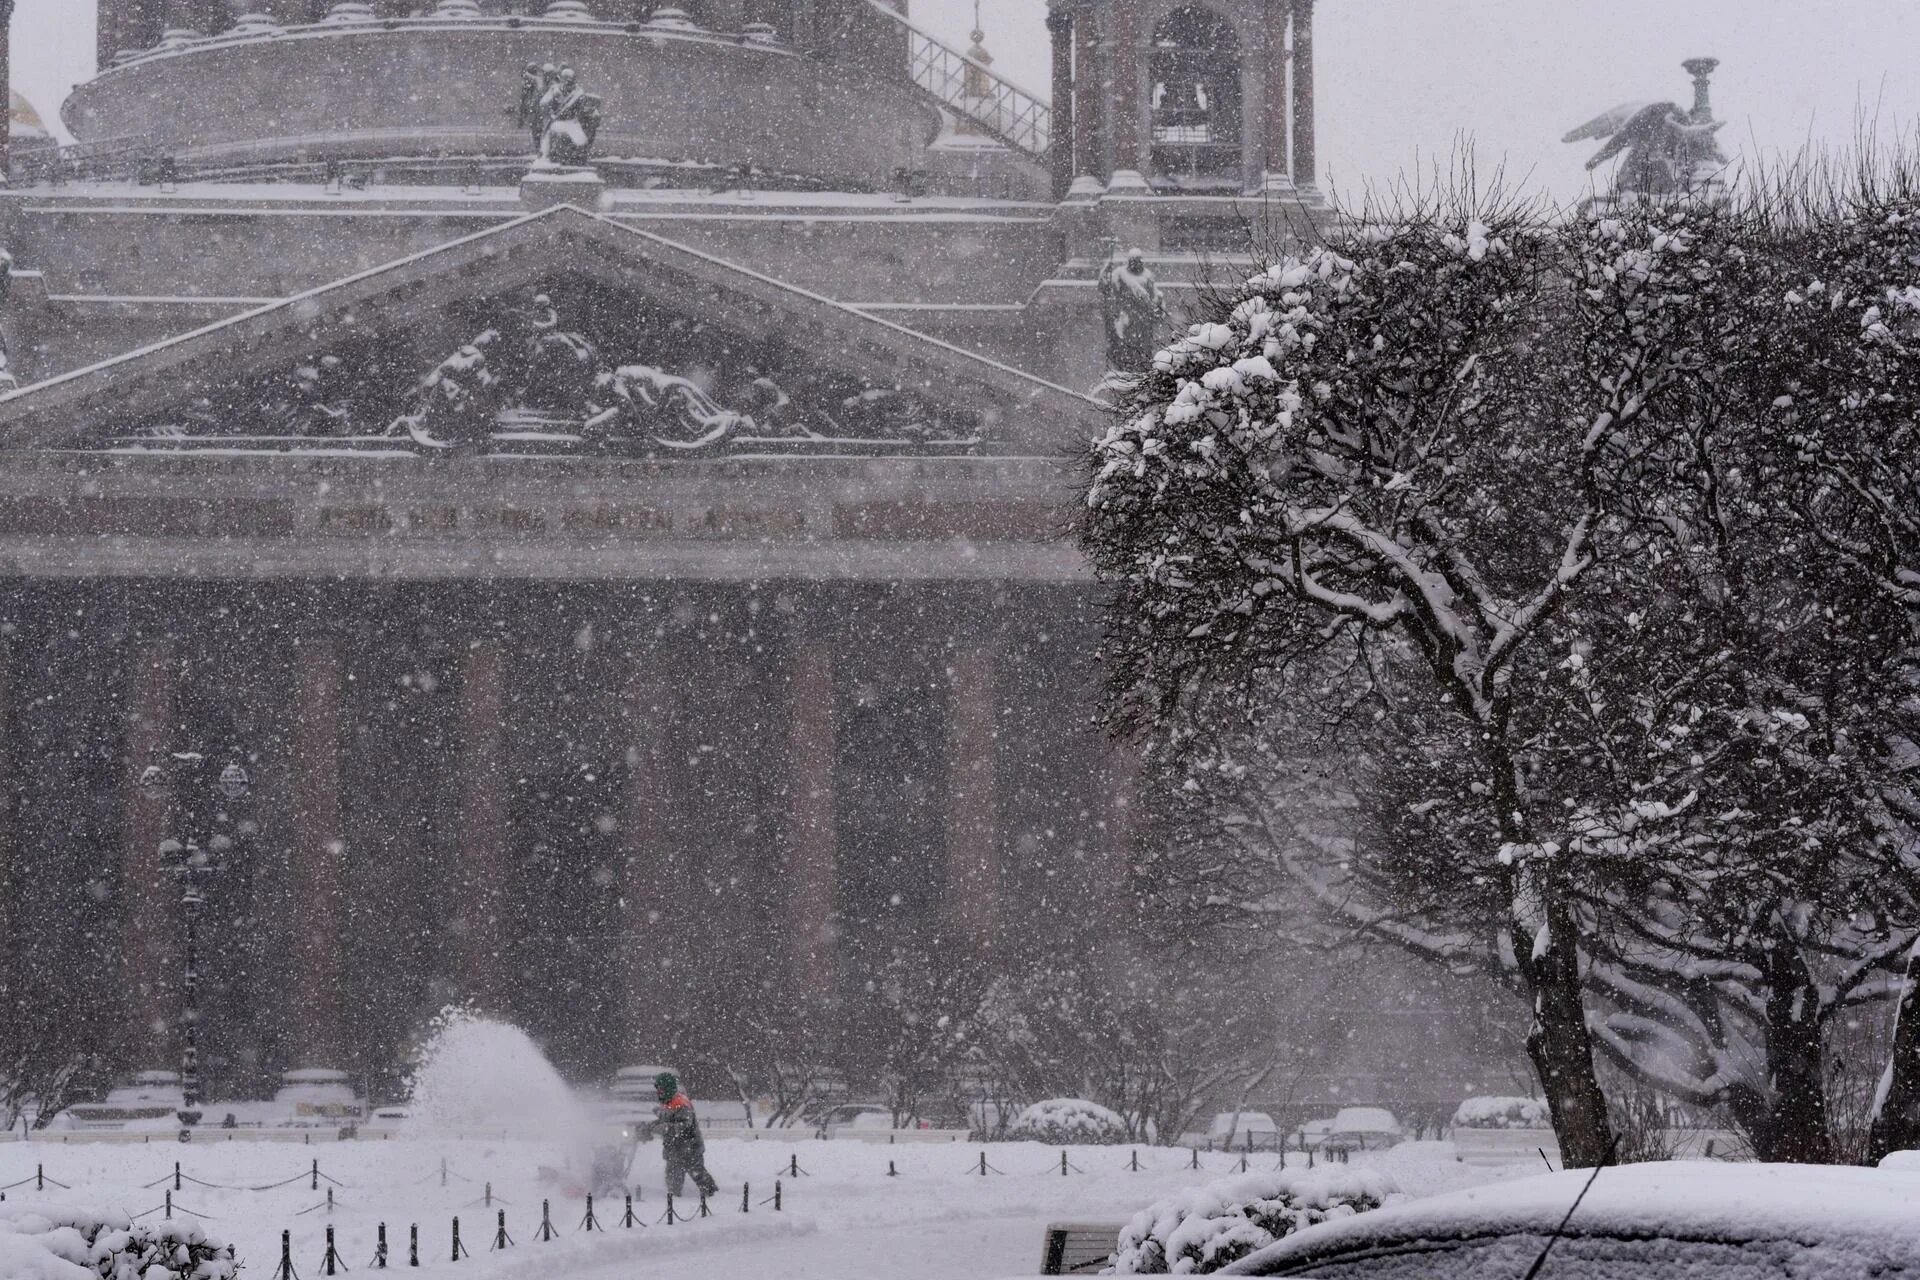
[(1401, 80)]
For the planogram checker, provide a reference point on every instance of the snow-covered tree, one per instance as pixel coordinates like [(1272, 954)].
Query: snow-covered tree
[(1458, 565), (1374, 473)]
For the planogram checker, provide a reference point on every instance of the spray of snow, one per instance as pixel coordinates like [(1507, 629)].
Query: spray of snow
[(478, 1076)]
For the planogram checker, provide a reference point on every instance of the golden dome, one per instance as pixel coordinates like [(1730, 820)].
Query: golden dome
[(27, 124)]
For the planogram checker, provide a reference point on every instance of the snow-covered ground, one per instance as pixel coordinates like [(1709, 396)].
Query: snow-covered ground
[(937, 1218)]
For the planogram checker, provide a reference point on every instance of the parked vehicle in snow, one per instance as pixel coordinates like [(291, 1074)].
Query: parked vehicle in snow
[(1678, 1218), (1244, 1130), (1362, 1129), (855, 1115)]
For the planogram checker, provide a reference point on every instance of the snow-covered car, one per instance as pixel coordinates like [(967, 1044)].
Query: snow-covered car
[(1361, 1129), (1251, 1130), (1679, 1218), (856, 1115), (152, 1101)]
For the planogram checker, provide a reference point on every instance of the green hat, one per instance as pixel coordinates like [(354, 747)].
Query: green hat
[(666, 1082)]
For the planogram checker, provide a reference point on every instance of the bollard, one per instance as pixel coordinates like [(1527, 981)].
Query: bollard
[(1309, 1157), (1063, 1163), (285, 1270), (39, 1177), (489, 1195), (704, 1211), (1243, 1162), (316, 1176), (443, 1171), (176, 1175), (746, 1200), (1133, 1165), (793, 1165), (380, 1248), (169, 1209), (983, 1164), (589, 1223), (627, 1219), (500, 1237), (1196, 1159), (670, 1219), (891, 1171), (331, 1263), (776, 1195), (329, 1202), (459, 1250), (546, 1221), (413, 1245)]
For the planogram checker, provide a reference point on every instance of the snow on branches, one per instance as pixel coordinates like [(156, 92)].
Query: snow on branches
[(1519, 538)]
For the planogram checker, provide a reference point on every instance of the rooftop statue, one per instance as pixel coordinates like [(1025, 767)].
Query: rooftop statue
[(563, 118), (1669, 150)]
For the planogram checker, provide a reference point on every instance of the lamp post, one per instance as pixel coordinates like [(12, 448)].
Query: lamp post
[(199, 850)]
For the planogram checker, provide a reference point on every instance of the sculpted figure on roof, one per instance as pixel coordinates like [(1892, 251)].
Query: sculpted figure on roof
[(568, 117)]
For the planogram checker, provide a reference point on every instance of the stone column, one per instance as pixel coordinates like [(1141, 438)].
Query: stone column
[(1305, 171), (6, 78), (812, 838), (1122, 824), (319, 852), (973, 820), (651, 887), (182, 15), (1060, 139), (482, 855), (1089, 105), (1132, 140), (11, 921), (122, 25), (147, 902), (1276, 162)]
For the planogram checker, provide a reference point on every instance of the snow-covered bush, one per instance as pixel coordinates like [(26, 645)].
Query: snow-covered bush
[(1203, 1229), (78, 1241), (1069, 1121), (1502, 1113)]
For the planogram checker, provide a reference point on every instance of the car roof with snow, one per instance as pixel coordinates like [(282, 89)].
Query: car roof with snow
[(1753, 1219)]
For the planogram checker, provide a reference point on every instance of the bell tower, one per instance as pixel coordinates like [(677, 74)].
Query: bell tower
[(1193, 105)]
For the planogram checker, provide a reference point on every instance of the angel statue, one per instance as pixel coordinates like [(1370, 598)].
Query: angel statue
[(1669, 150)]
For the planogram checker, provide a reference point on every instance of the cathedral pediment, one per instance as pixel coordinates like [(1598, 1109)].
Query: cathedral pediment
[(563, 332)]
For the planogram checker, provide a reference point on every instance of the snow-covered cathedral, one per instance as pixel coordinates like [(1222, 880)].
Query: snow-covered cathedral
[(635, 581)]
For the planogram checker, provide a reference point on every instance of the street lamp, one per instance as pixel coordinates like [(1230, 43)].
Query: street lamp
[(199, 850)]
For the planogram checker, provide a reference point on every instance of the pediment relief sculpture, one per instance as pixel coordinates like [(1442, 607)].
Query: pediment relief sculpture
[(523, 375)]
